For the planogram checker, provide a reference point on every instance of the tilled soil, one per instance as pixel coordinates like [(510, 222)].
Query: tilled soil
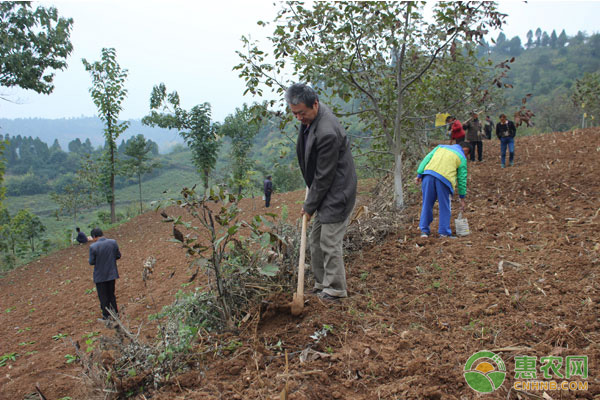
[(523, 283)]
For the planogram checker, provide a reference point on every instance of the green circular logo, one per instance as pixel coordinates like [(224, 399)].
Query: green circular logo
[(481, 374)]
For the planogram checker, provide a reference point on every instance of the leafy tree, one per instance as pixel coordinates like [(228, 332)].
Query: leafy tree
[(140, 161), (8, 236), (586, 94), (75, 146), (538, 37), (9, 232), (28, 227), (562, 39), (194, 127), (32, 42), (27, 184), (553, 39), (500, 41), (577, 39), (82, 192), (108, 92), (377, 53), (55, 146), (555, 113), (529, 43), (514, 47), (545, 39), (241, 127)]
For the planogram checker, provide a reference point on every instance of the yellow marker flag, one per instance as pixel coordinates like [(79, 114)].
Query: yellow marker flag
[(440, 119), (584, 115)]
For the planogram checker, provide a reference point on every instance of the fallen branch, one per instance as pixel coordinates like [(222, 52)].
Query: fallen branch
[(39, 392), (315, 371)]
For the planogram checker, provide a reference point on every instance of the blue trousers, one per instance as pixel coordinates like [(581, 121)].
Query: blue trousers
[(504, 142), (434, 189)]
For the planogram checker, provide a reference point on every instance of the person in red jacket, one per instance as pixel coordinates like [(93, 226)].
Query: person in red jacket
[(457, 132)]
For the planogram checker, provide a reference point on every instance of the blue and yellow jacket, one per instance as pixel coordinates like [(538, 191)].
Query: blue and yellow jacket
[(447, 163)]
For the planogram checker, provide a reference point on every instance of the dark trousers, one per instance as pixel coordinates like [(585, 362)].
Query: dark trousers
[(106, 294), (267, 199), (479, 145)]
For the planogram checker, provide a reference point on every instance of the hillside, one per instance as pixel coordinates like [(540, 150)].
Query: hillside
[(524, 283), (67, 129)]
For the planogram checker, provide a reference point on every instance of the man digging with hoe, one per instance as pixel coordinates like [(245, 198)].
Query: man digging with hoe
[(327, 167)]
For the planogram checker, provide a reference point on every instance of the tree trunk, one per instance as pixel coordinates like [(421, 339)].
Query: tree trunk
[(398, 192), (111, 146), (113, 215), (140, 186), (206, 172)]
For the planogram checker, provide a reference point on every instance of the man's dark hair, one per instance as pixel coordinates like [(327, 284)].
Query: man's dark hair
[(268, 176), (77, 229), (96, 232), (503, 116), (450, 118), (301, 93)]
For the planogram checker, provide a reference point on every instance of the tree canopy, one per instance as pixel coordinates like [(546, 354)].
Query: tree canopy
[(381, 54), (241, 127), (194, 126), (139, 151), (32, 43), (108, 92)]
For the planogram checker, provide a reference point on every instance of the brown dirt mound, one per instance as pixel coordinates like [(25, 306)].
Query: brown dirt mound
[(525, 282)]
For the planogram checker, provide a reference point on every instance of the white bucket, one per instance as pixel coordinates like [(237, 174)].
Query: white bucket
[(462, 225)]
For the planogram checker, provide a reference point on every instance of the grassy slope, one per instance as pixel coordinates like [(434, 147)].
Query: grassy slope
[(171, 181)]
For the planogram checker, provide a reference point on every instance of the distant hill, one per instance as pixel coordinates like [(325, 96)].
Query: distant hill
[(547, 69), (68, 129)]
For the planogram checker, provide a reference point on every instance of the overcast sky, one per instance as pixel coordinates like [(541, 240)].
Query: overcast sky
[(190, 46)]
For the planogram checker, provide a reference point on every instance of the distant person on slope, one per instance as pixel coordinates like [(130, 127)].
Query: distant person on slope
[(457, 133), (474, 133), (506, 131), (104, 254), (438, 174), (81, 237), (326, 163), (268, 190)]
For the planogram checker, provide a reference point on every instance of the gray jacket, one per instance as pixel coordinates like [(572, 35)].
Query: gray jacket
[(473, 130), (327, 167), (103, 256)]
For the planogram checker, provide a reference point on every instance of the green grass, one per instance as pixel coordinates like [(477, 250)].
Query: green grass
[(59, 231)]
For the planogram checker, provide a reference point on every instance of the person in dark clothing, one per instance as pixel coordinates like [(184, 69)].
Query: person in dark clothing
[(474, 132), (104, 254), (506, 131), (488, 127), (268, 189), (326, 163), (81, 237), (457, 133)]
